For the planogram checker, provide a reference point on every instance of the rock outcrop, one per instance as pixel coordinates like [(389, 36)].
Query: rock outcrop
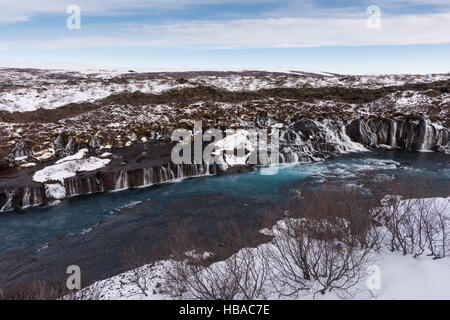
[(406, 134)]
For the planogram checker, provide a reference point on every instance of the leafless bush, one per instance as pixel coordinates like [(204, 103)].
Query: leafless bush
[(326, 248), (34, 290), (241, 276), (322, 245), (49, 290), (138, 276), (417, 226)]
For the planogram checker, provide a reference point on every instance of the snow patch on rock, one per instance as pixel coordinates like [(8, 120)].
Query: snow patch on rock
[(60, 172)]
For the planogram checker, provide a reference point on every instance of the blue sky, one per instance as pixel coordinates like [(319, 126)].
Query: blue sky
[(414, 35)]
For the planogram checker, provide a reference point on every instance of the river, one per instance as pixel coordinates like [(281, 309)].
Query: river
[(36, 226)]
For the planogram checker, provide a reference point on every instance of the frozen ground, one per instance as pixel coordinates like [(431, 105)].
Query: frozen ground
[(402, 277), (33, 89)]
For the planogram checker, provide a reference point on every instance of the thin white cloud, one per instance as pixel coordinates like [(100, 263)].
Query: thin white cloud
[(20, 10), (263, 33)]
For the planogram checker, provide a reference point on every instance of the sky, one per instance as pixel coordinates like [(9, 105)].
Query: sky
[(340, 36)]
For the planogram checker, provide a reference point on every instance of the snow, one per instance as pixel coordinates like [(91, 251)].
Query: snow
[(400, 277), (48, 89), (240, 140), (68, 169), (106, 155), (28, 165), (194, 254), (45, 154), (55, 191), (77, 156), (403, 277)]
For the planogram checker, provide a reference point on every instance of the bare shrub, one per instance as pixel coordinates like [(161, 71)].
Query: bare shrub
[(135, 260), (240, 276), (417, 226), (34, 290), (323, 245), (49, 290)]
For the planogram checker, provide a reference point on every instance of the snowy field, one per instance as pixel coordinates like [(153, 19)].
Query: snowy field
[(402, 277), (33, 89)]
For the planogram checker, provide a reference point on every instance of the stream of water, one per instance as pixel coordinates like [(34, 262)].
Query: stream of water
[(36, 226)]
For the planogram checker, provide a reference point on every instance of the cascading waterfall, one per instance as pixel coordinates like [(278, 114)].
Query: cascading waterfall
[(162, 174), (37, 200), (26, 198), (427, 143), (303, 141), (73, 187), (393, 135), (180, 171), (8, 205), (311, 140), (171, 173), (122, 181), (148, 176), (199, 168), (406, 134), (89, 183)]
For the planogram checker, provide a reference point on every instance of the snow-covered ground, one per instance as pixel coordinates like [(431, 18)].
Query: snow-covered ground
[(32, 89), (388, 275), (401, 277)]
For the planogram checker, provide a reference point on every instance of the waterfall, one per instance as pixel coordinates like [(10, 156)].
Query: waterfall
[(148, 176), (348, 144), (69, 188), (171, 173), (37, 196), (180, 171), (72, 187), (122, 181), (312, 140), (26, 198), (393, 140), (427, 143), (162, 174), (8, 204), (88, 179)]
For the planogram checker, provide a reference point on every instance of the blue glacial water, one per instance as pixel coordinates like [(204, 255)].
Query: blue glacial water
[(36, 226)]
